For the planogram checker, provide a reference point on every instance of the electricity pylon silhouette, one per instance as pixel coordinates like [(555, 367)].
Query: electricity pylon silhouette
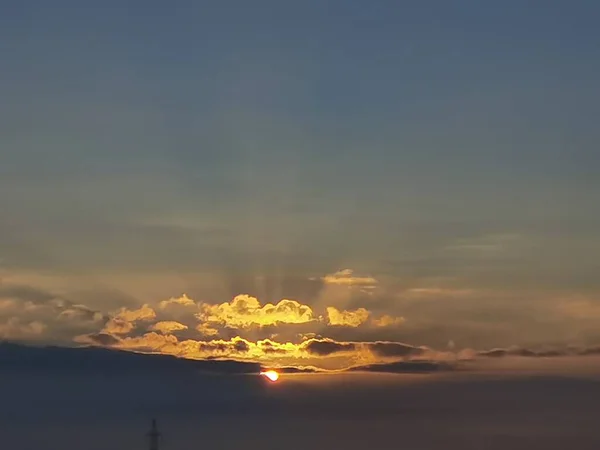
[(153, 436)]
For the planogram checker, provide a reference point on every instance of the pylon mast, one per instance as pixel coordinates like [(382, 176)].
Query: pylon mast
[(153, 436)]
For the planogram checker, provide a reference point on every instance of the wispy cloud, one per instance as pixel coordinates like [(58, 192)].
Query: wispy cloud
[(346, 277)]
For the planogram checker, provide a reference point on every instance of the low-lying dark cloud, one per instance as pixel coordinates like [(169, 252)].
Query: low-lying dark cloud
[(544, 353), (327, 347), (404, 367), (394, 349)]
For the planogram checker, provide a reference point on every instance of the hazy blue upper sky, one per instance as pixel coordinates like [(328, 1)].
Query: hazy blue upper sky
[(221, 148)]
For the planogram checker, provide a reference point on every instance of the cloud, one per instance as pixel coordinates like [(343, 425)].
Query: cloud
[(486, 244), (233, 346), (184, 301), (29, 313), (360, 316), (118, 326), (438, 292), (168, 326), (124, 320), (326, 347), (245, 311), (206, 330), (387, 321), (347, 318), (404, 367), (14, 329), (101, 339), (386, 349), (241, 329), (538, 353), (580, 309), (346, 277), (145, 312)]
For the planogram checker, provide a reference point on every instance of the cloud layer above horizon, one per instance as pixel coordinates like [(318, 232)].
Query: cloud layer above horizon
[(286, 333)]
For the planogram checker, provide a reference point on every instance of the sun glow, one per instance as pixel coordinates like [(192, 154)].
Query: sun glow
[(271, 375)]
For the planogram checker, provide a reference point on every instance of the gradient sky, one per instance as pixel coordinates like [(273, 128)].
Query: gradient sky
[(426, 170)]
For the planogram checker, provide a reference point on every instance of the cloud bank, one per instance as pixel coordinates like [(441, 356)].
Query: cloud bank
[(284, 333)]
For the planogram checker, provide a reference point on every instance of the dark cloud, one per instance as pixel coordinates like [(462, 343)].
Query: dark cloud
[(394, 349), (404, 367), (225, 347), (270, 347), (327, 347), (544, 353), (297, 370)]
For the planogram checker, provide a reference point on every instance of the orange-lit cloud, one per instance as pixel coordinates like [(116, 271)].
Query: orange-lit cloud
[(245, 311)]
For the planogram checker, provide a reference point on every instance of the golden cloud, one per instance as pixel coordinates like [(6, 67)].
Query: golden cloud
[(123, 322), (318, 352), (347, 318), (245, 311), (117, 326), (168, 326), (359, 317), (184, 300), (145, 312)]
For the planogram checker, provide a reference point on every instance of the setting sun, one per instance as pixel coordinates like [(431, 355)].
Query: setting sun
[(271, 375)]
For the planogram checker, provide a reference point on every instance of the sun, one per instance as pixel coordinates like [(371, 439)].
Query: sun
[(271, 375)]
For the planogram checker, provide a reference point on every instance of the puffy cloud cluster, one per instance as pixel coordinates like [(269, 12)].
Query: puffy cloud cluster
[(183, 301), (347, 318), (245, 311), (360, 316), (124, 320), (28, 314), (197, 330)]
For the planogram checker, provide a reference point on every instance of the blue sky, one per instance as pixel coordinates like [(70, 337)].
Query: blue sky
[(150, 149)]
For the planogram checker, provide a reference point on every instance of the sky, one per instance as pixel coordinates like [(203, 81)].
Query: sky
[(323, 184)]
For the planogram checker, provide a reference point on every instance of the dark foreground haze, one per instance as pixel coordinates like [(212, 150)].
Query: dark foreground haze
[(512, 403)]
